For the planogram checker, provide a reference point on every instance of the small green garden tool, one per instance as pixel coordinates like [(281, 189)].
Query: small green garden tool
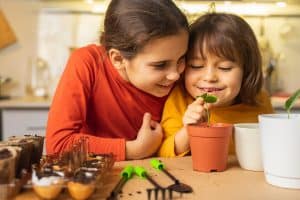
[(126, 174), (177, 186), (141, 172)]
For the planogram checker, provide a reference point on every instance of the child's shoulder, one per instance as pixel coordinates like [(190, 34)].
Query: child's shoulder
[(91, 55), (89, 50), (263, 96), (88, 60)]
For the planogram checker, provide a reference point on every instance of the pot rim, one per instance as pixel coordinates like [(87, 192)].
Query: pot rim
[(250, 126), (279, 116), (205, 128), (212, 125)]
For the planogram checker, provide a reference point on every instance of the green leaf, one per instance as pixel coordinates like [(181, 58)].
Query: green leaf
[(210, 99), (291, 101)]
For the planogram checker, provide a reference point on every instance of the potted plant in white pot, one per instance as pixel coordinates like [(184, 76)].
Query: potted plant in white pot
[(280, 140)]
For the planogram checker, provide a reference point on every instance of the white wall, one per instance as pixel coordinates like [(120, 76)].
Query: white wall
[(43, 34), (22, 16), (283, 35), (60, 31)]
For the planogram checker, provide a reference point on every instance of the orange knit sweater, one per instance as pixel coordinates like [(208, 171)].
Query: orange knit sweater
[(93, 100)]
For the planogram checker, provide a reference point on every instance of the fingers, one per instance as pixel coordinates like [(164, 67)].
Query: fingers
[(188, 120), (195, 108), (195, 112), (148, 123), (194, 115), (155, 126), (192, 118), (146, 120), (199, 101)]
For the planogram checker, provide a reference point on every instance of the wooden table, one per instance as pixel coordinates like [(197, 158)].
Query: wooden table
[(234, 183)]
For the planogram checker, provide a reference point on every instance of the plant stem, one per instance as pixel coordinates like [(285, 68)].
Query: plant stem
[(208, 117)]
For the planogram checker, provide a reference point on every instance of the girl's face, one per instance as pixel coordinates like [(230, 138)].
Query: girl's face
[(155, 69), (213, 75)]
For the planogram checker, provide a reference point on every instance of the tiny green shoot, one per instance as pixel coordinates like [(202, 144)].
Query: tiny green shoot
[(208, 99), (291, 101)]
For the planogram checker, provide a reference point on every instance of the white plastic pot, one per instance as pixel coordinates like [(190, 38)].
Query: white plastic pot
[(280, 139), (248, 146)]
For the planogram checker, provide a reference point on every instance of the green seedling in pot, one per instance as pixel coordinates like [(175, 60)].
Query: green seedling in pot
[(208, 99), (291, 101)]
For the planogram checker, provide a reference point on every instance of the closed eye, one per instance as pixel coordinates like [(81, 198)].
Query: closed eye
[(196, 66), (159, 65), (225, 68)]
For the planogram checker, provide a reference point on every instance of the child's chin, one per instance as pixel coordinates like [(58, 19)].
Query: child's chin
[(161, 93)]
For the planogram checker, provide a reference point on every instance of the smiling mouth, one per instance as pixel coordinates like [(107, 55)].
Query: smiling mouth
[(166, 85), (210, 89)]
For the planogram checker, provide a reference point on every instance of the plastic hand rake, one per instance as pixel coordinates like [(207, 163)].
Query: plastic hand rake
[(177, 186), (141, 172)]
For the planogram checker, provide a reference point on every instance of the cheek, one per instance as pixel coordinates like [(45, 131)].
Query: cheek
[(191, 75), (236, 83), (152, 77), (188, 78), (190, 82)]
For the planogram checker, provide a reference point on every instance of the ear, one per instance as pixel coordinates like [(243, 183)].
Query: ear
[(116, 58)]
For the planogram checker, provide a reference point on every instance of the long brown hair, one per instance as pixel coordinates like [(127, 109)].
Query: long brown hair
[(130, 24), (229, 36)]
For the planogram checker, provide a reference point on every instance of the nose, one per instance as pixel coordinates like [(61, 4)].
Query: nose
[(210, 75), (174, 74)]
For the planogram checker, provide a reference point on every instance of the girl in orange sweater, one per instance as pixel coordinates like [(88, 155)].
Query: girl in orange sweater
[(224, 60), (114, 94)]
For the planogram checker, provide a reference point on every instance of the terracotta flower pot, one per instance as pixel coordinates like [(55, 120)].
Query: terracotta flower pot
[(209, 146)]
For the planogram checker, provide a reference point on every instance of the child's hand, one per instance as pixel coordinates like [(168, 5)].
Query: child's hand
[(195, 112), (150, 135), (148, 139)]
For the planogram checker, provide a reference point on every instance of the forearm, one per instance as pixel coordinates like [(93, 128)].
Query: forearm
[(135, 150), (132, 150), (182, 141), (61, 141)]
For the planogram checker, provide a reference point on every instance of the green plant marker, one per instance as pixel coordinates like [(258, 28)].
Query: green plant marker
[(291, 101), (208, 99)]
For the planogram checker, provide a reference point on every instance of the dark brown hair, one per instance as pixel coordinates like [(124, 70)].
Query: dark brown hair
[(229, 36), (130, 24)]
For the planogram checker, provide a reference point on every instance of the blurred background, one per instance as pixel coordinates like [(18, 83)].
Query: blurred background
[(37, 37)]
